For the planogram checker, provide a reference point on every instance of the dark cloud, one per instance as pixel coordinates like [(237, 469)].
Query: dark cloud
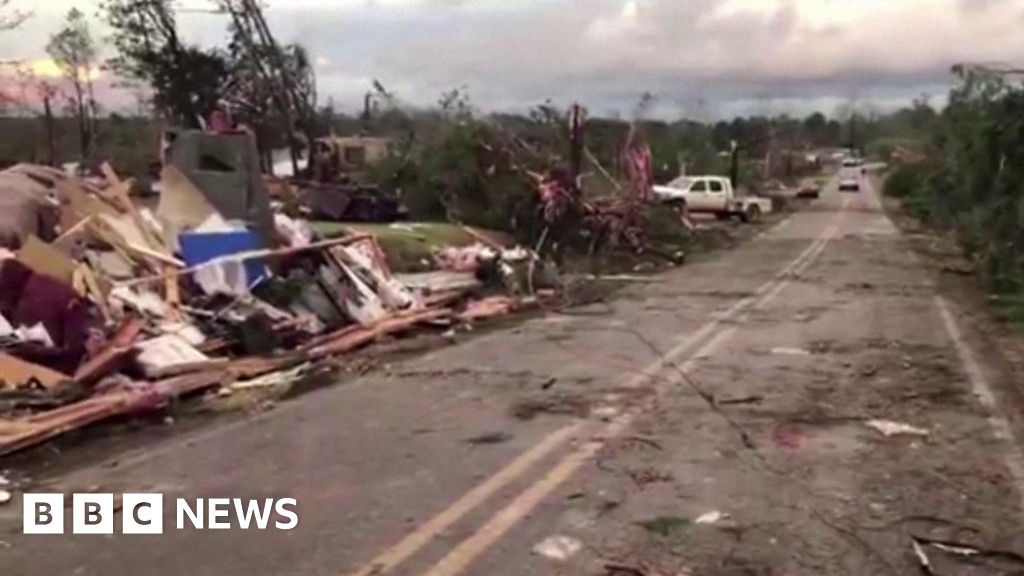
[(720, 53)]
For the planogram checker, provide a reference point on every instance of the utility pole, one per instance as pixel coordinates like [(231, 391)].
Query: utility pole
[(577, 119), (269, 64), (853, 132), (734, 163), (51, 148)]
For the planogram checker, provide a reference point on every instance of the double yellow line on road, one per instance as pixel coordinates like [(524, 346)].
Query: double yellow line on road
[(460, 557)]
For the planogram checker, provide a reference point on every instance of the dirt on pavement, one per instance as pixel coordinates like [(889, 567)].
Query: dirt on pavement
[(795, 406)]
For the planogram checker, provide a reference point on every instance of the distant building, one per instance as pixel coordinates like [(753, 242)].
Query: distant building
[(348, 155), (904, 155)]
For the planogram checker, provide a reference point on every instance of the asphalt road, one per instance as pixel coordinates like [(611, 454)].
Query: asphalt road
[(739, 389)]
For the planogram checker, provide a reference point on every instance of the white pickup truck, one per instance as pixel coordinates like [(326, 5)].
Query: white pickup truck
[(712, 194)]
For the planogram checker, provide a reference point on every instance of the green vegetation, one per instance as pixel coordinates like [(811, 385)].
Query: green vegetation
[(665, 526), (407, 245), (131, 144), (74, 52), (971, 181)]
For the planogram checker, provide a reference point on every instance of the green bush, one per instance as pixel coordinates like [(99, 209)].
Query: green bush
[(905, 181), (977, 190)]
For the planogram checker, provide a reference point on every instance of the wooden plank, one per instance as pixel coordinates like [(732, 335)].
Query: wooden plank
[(350, 340), (108, 172), (46, 259), (182, 205), (40, 428), (172, 296), (110, 358), (15, 371)]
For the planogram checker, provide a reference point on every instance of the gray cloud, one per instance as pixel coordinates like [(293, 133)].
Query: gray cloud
[(717, 56)]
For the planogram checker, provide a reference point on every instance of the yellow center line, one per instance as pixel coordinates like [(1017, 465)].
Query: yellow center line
[(472, 547), (419, 538), (412, 543)]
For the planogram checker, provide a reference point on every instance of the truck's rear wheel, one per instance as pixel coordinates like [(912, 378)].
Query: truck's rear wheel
[(751, 214)]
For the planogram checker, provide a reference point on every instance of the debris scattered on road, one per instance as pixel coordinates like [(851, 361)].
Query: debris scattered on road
[(960, 269), (889, 428), (559, 548), (665, 526), (868, 371), (754, 399), (490, 438), (712, 517), (920, 544), (606, 412), (922, 558), (644, 440), (617, 569), (782, 351), (5, 497), (787, 436), (643, 477), (281, 378), (560, 404)]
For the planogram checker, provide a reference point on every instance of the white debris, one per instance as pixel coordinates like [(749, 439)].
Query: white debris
[(36, 333), (145, 302), (606, 412), (27, 334), (167, 355), (230, 278), (790, 352), (559, 548), (712, 517), (296, 231), (186, 332), (5, 496), (273, 379), (922, 558), (889, 428)]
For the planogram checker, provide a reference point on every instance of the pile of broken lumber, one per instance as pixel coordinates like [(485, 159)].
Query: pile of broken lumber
[(128, 307)]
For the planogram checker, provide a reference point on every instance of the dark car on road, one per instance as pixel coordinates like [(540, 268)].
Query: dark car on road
[(808, 189)]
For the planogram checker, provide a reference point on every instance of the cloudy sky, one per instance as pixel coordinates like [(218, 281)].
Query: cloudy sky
[(702, 58)]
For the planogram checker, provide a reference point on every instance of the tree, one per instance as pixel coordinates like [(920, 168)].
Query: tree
[(280, 75), (816, 129), (186, 81), (74, 52), (11, 19)]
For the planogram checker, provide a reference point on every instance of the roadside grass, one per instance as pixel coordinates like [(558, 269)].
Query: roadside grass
[(666, 526), (1009, 308), (409, 245), (915, 195)]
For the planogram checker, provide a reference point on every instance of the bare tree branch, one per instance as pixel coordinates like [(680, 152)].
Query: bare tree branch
[(9, 20)]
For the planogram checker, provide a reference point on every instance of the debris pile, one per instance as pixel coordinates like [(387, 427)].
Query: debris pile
[(128, 305)]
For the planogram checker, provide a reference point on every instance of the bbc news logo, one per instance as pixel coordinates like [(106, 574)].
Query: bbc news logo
[(144, 514)]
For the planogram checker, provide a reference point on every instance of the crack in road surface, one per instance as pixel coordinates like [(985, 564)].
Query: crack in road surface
[(460, 557)]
